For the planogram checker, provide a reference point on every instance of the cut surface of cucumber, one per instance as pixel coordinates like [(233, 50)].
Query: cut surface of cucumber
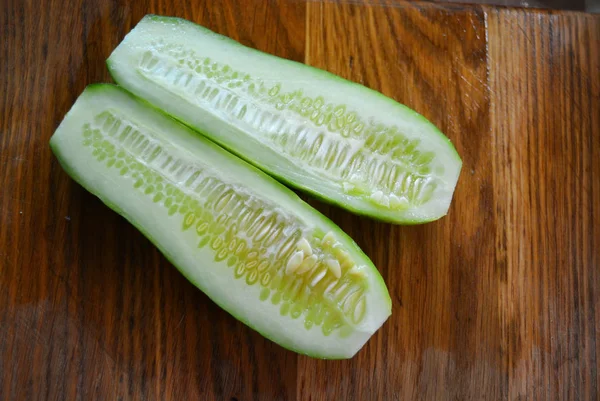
[(338, 140), (248, 242)]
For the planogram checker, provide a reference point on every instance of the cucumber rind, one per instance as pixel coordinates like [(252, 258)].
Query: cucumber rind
[(63, 159)]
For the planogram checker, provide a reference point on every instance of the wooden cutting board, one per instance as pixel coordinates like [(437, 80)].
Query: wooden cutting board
[(500, 300)]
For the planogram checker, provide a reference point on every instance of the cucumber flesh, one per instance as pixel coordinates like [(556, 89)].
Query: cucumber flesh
[(248, 242), (338, 140)]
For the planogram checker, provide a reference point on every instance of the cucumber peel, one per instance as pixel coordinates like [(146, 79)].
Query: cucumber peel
[(252, 245), (338, 140)]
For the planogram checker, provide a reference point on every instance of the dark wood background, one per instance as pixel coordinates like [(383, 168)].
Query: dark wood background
[(576, 5), (500, 300)]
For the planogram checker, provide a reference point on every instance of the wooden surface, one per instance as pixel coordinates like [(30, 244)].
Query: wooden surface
[(579, 5), (500, 300)]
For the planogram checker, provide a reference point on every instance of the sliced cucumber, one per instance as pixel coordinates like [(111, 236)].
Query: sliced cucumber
[(338, 140), (247, 241)]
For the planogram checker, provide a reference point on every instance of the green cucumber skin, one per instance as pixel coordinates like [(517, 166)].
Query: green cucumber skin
[(74, 174), (383, 216)]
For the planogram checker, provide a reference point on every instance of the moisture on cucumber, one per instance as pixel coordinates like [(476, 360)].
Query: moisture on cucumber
[(338, 140), (248, 242)]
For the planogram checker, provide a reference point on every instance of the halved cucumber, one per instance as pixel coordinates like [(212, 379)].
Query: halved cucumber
[(247, 241), (338, 140)]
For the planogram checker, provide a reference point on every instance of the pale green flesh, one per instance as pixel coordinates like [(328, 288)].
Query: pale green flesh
[(237, 234), (335, 139)]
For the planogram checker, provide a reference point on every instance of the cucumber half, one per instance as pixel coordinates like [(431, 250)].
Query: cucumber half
[(248, 242), (340, 141)]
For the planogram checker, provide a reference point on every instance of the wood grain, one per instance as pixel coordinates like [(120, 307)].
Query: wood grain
[(546, 137), (497, 301)]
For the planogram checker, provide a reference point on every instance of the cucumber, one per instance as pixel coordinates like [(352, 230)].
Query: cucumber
[(251, 244), (340, 141)]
